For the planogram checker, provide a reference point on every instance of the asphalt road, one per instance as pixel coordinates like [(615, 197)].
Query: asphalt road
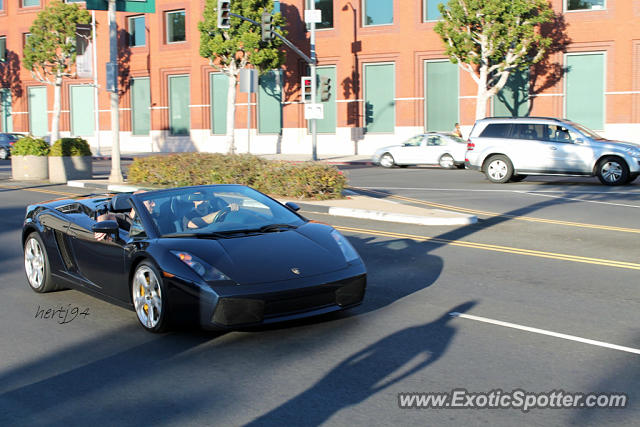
[(557, 255)]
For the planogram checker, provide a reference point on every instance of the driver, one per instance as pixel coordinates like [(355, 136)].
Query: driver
[(205, 210)]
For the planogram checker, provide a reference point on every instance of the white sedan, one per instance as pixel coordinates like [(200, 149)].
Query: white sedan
[(444, 149)]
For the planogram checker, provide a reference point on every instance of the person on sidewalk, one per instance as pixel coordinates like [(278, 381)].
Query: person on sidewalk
[(457, 131)]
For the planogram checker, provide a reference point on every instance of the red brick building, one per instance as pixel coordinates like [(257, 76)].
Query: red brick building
[(386, 66)]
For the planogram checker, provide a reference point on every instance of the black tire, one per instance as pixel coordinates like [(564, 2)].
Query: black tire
[(446, 161), (4, 153), (461, 166), (387, 161), (498, 169), (36, 265), (631, 178), (612, 170), (150, 301), (518, 178)]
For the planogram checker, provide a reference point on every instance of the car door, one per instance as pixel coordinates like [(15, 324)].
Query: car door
[(569, 150), (409, 151), (528, 149), (435, 147)]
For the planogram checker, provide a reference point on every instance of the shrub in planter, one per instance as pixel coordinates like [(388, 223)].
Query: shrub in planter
[(70, 158), (29, 159)]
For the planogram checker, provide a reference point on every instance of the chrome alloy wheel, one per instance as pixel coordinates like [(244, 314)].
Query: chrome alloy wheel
[(497, 170), (147, 296), (446, 161), (611, 171), (34, 263), (386, 160)]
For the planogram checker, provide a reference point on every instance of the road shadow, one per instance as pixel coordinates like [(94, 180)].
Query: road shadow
[(367, 372)]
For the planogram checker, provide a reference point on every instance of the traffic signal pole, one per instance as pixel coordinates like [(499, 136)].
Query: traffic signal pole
[(116, 172), (314, 87)]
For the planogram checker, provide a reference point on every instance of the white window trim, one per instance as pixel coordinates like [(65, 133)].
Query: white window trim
[(166, 25), (364, 16), (424, 11), (565, 8), (129, 19)]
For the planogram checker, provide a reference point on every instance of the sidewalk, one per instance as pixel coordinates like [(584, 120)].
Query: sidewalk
[(353, 206)]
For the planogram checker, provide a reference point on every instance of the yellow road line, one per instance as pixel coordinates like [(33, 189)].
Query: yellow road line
[(41, 190), (496, 248), (498, 215)]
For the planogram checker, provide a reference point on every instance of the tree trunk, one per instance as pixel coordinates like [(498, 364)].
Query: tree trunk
[(55, 120), (231, 113), (481, 103)]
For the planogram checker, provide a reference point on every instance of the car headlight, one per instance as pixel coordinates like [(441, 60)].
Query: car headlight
[(349, 253), (206, 271)]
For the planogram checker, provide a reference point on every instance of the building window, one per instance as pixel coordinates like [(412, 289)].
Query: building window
[(584, 89), (276, 6), (219, 87), (441, 95), (6, 124), (380, 106), (326, 6), (3, 48), (175, 23), (30, 3), (137, 32), (585, 4), (513, 98), (25, 38), (270, 102), (37, 104), (179, 114), (378, 12), (431, 11), (81, 104), (140, 106)]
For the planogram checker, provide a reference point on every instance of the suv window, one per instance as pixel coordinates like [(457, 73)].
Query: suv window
[(530, 131), (496, 130)]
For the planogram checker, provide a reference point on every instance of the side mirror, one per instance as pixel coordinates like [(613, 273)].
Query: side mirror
[(107, 227), (292, 206), (579, 141)]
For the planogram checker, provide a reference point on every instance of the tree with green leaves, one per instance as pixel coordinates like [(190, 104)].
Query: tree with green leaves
[(50, 50), (232, 49), (490, 39)]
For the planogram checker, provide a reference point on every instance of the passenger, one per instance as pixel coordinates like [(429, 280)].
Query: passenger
[(123, 219)]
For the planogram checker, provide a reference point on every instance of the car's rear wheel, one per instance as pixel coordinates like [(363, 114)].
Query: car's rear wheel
[(149, 298), (387, 161), (36, 265), (612, 170), (631, 178), (4, 154), (446, 161), (518, 178), (498, 169)]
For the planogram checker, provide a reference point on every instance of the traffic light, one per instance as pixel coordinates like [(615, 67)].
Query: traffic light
[(266, 27), (224, 14), (325, 88), (368, 114), (305, 85)]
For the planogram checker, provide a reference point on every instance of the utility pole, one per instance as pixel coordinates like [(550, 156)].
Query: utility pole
[(313, 65), (116, 172)]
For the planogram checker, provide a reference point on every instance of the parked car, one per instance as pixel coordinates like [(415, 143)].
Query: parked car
[(6, 142), (250, 261), (509, 149), (444, 149)]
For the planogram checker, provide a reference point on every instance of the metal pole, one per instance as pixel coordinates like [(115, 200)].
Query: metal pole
[(96, 104), (116, 172), (314, 136), (249, 118)]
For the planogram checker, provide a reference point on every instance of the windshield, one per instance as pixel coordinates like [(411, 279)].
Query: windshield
[(586, 131), (215, 210)]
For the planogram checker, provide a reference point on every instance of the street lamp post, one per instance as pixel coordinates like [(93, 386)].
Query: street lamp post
[(116, 172)]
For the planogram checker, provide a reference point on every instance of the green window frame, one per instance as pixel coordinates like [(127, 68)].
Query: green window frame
[(175, 26), (379, 91), (179, 99), (513, 99), (81, 102), (38, 116), (6, 122), (377, 12), (431, 11), (573, 5), (218, 94), (584, 89), (140, 106), (137, 31), (442, 89), (270, 102), (30, 3)]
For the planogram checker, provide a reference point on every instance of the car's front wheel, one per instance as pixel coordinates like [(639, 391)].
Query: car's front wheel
[(498, 169), (446, 161), (4, 153), (149, 298), (387, 161), (36, 265), (612, 171)]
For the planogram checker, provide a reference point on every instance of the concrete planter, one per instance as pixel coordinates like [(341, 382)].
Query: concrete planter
[(65, 168), (29, 168)]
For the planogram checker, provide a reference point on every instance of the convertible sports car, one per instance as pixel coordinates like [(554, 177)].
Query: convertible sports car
[(217, 256)]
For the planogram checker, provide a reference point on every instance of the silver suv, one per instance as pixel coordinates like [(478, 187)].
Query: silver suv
[(509, 149)]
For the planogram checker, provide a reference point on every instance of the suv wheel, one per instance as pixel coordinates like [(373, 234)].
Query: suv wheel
[(612, 171), (498, 169)]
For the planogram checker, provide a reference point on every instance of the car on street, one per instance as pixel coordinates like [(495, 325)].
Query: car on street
[(248, 260), (6, 142), (509, 149), (444, 149)]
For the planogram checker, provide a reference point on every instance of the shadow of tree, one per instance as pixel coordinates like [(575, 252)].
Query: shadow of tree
[(10, 74), (124, 62)]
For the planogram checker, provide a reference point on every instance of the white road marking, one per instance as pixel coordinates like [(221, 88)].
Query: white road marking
[(545, 332), (573, 199), (625, 193)]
